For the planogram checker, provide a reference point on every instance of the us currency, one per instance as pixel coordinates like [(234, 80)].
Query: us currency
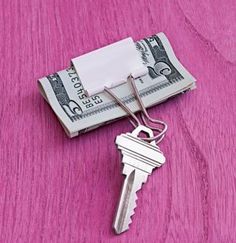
[(79, 113)]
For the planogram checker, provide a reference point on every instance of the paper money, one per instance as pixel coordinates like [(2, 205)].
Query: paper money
[(78, 113)]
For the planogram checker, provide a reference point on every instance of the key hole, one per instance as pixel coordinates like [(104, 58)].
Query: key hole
[(143, 134), (142, 129)]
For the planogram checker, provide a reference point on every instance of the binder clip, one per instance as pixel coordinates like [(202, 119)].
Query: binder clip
[(109, 66)]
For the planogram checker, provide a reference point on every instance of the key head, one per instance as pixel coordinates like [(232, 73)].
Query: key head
[(139, 153)]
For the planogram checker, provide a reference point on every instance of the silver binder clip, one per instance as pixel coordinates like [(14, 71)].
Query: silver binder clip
[(108, 67)]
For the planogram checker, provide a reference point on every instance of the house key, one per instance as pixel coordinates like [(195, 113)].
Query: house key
[(139, 158)]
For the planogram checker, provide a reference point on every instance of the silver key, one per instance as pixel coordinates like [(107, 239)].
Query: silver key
[(139, 159)]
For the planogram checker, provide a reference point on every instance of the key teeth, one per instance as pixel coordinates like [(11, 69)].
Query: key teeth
[(121, 230), (133, 211), (124, 218)]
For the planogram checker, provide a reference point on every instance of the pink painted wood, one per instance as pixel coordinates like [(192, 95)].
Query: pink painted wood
[(56, 189)]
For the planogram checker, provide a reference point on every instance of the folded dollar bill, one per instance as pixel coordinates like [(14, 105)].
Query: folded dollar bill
[(78, 113)]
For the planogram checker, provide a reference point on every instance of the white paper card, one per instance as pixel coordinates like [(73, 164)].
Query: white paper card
[(109, 66)]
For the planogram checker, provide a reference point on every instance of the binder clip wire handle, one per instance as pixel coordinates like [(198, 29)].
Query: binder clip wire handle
[(145, 117)]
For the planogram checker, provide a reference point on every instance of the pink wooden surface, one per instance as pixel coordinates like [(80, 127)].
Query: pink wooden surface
[(56, 189)]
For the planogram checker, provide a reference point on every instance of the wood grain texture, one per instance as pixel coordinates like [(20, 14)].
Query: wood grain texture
[(56, 189)]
